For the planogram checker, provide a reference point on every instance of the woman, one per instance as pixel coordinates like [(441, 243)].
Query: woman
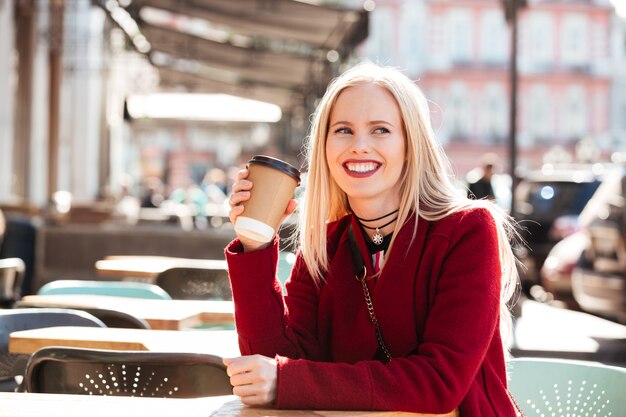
[(438, 270)]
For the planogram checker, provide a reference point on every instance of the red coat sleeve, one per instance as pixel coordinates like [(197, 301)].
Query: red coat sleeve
[(264, 323)]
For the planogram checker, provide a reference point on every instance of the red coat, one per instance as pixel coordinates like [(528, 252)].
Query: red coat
[(437, 302)]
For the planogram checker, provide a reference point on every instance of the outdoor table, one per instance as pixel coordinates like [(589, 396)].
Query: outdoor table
[(66, 405), (160, 314), (148, 267), (216, 342)]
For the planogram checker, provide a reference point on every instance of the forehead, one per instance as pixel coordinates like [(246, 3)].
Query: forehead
[(366, 100)]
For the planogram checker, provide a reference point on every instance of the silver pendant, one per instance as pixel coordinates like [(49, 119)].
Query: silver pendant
[(377, 237)]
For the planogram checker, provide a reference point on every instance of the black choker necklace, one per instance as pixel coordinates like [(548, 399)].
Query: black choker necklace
[(378, 237), (378, 218)]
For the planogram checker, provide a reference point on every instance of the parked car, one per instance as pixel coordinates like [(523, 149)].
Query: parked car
[(547, 206), (599, 279), (556, 271)]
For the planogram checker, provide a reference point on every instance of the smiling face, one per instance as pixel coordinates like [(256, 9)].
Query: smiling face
[(366, 147)]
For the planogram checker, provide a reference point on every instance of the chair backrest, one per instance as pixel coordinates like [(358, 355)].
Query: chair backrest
[(13, 320), (117, 318), (115, 288), (12, 272), (126, 373), (560, 388), (184, 283), (286, 260)]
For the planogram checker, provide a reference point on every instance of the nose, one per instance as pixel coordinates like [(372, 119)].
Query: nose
[(360, 143)]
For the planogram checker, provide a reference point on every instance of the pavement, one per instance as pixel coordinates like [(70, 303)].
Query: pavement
[(543, 330)]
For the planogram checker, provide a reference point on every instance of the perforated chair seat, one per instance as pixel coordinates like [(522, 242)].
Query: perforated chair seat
[(566, 388), (12, 365), (114, 288), (126, 373)]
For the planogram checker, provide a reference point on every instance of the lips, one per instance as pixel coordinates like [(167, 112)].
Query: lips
[(360, 169)]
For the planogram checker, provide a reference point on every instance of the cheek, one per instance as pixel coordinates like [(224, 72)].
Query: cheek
[(332, 153)]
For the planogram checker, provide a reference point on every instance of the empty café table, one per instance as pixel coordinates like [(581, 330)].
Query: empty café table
[(218, 342), (148, 267), (160, 314), (67, 405)]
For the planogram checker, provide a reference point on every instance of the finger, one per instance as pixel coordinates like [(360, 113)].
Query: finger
[(238, 198), (242, 185), (256, 400), (291, 207), (238, 365), (234, 213), (242, 173), (245, 378), (245, 390)]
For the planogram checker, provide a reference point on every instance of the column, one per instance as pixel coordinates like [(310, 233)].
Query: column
[(7, 98)]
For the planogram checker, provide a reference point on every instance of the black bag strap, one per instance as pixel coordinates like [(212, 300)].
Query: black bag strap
[(360, 273)]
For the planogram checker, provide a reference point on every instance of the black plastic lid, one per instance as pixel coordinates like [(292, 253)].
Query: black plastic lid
[(282, 166)]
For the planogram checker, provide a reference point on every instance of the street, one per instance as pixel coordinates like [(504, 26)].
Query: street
[(547, 331)]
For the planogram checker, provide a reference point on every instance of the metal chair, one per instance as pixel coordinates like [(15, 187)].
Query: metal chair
[(113, 288), (126, 373), (11, 276), (117, 318), (12, 365), (110, 317), (184, 283), (560, 388)]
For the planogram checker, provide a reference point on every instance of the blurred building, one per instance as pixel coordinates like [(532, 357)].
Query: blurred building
[(68, 69), (570, 64)]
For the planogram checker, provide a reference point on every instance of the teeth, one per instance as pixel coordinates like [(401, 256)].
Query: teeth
[(361, 167)]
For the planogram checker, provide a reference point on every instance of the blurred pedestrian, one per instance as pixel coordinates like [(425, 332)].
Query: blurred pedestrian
[(418, 330), (152, 196), (483, 188), (214, 185)]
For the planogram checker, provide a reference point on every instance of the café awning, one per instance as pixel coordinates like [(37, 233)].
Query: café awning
[(279, 51)]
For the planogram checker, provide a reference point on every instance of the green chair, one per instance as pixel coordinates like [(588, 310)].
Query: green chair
[(286, 260), (567, 388), (115, 288)]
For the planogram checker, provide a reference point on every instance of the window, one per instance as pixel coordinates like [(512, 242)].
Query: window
[(493, 112), (493, 37), (458, 114), (539, 113), (381, 44), (574, 113), (540, 39), (574, 40), (413, 35), (459, 36)]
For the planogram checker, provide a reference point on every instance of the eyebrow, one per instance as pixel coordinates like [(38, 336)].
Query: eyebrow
[(372, 122)]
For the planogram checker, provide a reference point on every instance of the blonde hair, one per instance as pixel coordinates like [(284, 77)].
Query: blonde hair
[(426, 186)]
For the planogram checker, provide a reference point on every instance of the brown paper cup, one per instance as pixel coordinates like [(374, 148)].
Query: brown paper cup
[(273, 184)]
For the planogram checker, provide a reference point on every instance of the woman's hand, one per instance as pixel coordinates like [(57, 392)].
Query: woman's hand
[(253, 378), (241, 193)]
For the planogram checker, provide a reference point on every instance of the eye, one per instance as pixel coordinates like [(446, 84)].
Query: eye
[(381, 130), (343, 130)]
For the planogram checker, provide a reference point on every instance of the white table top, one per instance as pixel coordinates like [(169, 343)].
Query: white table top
[(64, 405)]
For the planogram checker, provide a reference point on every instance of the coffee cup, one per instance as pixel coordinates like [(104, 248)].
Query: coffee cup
[(273, 184)]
